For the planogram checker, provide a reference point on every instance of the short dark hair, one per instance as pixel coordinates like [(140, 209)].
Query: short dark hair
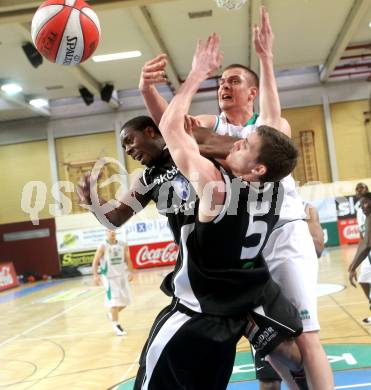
[(139, 123), (277, 152), (252, 74)]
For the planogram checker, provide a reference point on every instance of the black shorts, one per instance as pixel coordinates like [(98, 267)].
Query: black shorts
[(270, 324), (189, 350)]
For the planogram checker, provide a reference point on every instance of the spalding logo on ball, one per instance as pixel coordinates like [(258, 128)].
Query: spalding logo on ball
[(65, 31)]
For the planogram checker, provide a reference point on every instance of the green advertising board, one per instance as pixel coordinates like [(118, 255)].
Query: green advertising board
[(331, 232), (341, 357)]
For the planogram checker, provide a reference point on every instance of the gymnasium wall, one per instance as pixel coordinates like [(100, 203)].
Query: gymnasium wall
[(84, 138), (30, 248), (21, 163), (311, 118), (83, 148), (351, 143)]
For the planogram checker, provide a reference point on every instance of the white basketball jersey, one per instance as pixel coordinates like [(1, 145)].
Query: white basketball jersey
[(292, 205), (113, 263), (361, 218)]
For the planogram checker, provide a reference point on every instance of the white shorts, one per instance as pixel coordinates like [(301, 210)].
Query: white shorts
[(293, 264), (365, 271), (118, 291)]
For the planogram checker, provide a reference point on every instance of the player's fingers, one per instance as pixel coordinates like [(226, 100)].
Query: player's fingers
[(158, 58), (160, 65), (154, 75)]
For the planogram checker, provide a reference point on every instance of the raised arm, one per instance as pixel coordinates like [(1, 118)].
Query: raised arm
[(269, 102), (182, 146), (153, 72)]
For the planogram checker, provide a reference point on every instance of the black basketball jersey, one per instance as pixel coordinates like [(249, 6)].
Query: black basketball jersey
[(170, 190), (221, 270)]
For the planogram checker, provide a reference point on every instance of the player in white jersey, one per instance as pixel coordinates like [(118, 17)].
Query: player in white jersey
[(114, 275), (364, 277), (290, 252)]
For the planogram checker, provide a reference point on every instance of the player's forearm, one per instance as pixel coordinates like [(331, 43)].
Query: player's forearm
[(270, 107), (95, 263), (154, 102)]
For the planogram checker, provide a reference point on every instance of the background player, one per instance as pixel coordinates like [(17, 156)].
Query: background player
[(290, 252), (362, 256), (112, 259)]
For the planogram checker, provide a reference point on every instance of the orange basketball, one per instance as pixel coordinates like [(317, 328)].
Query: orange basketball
[(66, 32)]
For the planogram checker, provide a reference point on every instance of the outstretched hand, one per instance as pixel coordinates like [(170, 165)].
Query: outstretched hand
[(153, 72), (84, 186), (263, 36), (207, 59)]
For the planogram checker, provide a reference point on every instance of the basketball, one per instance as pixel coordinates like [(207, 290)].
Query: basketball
[(65, 32)]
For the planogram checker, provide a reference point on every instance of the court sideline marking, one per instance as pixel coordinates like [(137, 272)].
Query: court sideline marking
[(49, 319)]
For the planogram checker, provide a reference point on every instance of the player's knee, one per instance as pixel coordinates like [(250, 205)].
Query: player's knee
[(308, 342), (268, 384)]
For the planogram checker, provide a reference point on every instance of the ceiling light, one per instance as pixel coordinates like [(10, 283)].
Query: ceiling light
[(117, 56), (39, 103), (11, 88), (369, 25)]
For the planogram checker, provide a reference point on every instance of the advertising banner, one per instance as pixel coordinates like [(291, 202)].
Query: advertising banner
[(8, 276), (331, 233), (145, 238), (150, 230), (75, 240), (348, 231), (154, 254), (347, 221), (345, 207)]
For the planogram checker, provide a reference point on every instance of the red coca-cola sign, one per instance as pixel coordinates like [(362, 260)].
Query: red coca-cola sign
[(348, 231), (153, 255), (8, 277)]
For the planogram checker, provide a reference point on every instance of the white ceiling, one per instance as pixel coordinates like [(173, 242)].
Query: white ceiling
[(307, 33)]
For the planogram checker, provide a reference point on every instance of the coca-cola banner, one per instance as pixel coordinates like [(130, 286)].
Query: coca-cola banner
[(8, 276), (153, 255), (348, 231)]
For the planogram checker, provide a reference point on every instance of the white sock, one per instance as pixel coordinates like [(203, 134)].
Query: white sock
[(115, 323)]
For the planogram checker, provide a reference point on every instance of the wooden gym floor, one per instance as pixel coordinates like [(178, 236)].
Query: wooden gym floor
[(55, 335)]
